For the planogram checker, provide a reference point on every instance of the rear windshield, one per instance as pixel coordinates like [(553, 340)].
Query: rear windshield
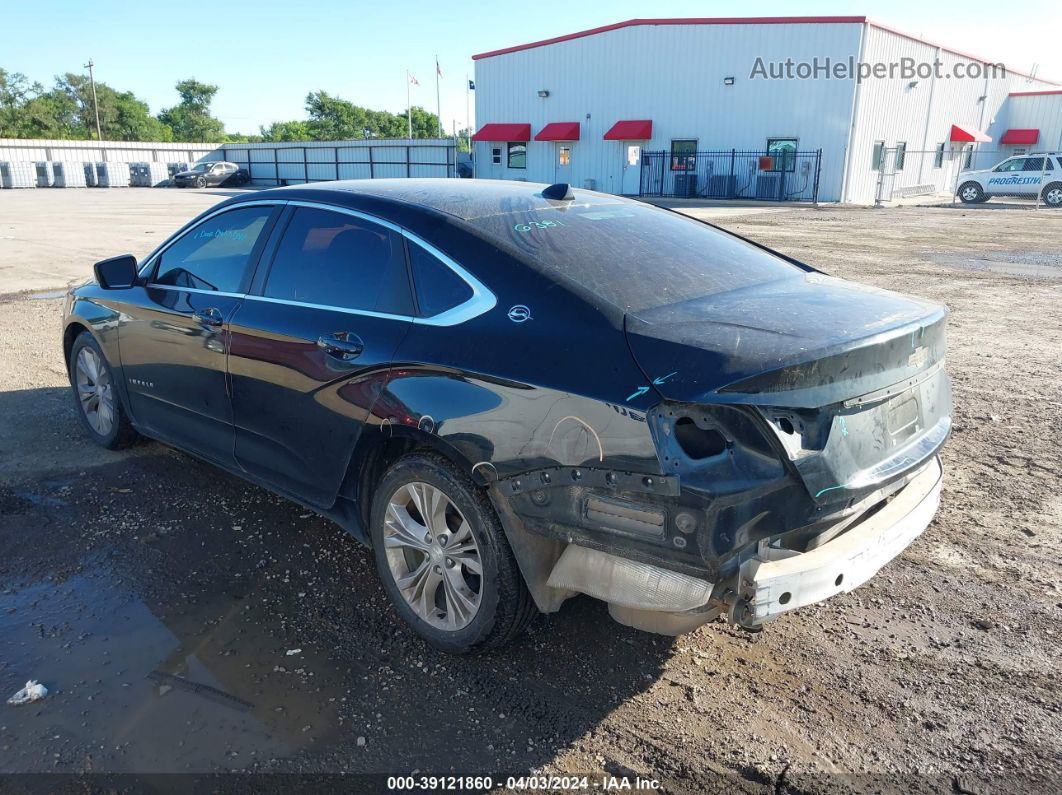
[(634, 256)]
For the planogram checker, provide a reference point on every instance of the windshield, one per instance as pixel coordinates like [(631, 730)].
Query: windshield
[(202, 167), (635, 256)]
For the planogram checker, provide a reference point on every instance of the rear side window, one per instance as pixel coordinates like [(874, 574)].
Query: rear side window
[(214, 254), (334, 259), (438, 288)]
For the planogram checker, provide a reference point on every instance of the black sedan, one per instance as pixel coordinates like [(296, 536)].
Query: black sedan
[(211, 174), (515, 393)]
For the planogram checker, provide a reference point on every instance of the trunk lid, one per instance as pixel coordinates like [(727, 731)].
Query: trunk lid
[(807, 341)]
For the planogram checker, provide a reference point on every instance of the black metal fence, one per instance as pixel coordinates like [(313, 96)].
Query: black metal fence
[(732, 174)]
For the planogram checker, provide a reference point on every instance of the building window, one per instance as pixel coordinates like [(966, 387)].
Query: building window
[(684, 155), (495, 155), (878, 156), (901, 155), (783, 151), (517, 155), (938, 158), (969, 158), (564, 156)]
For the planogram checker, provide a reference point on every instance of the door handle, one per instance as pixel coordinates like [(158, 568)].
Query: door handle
[(342, 345), (208, 317)]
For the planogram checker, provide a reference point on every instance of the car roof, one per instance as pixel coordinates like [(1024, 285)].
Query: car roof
[(466, 199)]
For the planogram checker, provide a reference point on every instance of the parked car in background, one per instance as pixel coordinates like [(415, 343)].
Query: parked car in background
[(1021, 175), (515, 393), (211, 174)]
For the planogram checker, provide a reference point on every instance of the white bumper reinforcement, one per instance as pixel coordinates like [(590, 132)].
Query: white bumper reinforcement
[(777, 581)]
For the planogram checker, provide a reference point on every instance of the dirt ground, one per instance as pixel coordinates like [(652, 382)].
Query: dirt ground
[(118, 571)]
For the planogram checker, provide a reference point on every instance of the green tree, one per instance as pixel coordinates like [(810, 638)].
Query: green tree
[(190, 119), (123, 117), (286, 131)]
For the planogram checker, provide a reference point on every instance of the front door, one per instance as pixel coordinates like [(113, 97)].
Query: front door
[(631, 180), (563, 172), (174, 334), (312, 346)]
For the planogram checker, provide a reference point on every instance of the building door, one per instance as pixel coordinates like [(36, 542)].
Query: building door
[(631, 178), (563, 171)]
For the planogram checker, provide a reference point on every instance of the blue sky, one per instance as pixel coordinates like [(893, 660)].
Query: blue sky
[(270, 53)]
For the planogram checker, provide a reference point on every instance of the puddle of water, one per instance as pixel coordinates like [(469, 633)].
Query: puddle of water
[(1034, 264), (94, 646)]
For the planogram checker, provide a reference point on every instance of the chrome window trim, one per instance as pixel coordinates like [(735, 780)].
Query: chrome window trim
[(482, 300), (178, 289), (149, 263)]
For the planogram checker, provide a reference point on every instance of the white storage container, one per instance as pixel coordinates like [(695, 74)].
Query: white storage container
[(68, 174), (45, 177), (18, 174), (158, 175), (112, 175)]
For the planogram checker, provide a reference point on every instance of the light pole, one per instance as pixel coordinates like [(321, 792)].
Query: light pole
[(95, 103)]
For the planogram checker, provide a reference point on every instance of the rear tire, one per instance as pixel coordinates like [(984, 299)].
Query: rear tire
[(971, 193), (96, 398), (1052, 195), (461, 589)]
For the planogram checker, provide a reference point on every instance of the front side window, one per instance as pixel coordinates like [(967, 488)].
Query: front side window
[(684, 154), (1014, 164), (214, 255), (517, 155), (334, 259), (783, 151), (438, 288)]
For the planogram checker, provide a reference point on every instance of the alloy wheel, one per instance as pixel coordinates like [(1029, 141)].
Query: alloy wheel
[(970, 194), (1054, 197), (433, 556), (95, 391)]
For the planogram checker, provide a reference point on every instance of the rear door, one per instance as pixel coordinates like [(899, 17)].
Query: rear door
[(312, 346), (174, 333)]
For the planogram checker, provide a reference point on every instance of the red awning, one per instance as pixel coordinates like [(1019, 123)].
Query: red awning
[(968, 135), (559, 131), (1027, 137), (641, 130), (503, 132)]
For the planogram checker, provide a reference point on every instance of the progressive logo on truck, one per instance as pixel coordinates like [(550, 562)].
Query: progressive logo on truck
[(1014, 181)]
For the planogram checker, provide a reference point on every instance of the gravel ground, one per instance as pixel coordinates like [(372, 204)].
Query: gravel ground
[(940, 674)]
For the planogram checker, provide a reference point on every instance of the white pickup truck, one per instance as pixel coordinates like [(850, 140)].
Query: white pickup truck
[(1021, 175)]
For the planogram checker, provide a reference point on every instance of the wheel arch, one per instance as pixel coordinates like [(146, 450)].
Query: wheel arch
[(378, 448)]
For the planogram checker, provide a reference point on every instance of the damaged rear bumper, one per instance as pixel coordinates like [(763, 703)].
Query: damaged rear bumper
[(775, 581)]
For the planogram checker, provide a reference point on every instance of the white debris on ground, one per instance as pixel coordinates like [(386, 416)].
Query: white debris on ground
[(293, 652), (33, 691)]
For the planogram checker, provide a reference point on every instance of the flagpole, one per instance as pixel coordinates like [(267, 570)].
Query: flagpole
[(409, 109), (438, 101)]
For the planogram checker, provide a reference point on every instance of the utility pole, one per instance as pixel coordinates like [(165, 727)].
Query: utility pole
[(95, 103), (438, 102)]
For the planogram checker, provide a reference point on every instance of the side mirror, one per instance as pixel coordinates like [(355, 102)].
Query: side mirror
[(116, 273)]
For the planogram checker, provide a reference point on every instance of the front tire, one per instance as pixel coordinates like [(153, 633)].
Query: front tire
[(96, 396), (200, 182), (443, 558), (1052, 195), (971, 193)]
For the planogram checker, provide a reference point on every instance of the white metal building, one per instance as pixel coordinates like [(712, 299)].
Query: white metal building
[(588, 108)]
